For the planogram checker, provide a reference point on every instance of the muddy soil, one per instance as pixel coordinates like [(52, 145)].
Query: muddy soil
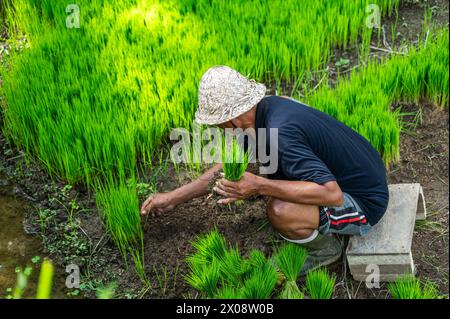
[(19, 249)]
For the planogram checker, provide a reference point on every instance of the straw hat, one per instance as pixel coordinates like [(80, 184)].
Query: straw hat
[(224, 94)]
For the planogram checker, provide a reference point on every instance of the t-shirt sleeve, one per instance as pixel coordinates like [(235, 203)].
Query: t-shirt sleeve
[(298, 162)]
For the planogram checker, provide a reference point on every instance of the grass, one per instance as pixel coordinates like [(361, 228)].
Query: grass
[(136, 69), (45, 281), (44, 289), (92, 101), (290, 290), (260, 284), (319, 284), (120, 207), (364, 102), (409, 287)]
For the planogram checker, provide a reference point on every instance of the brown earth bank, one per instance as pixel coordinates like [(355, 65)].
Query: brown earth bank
[(74, 232)]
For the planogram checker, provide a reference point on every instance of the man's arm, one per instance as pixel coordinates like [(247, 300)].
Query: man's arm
[(196, 188), (302, 192), (163, 202)]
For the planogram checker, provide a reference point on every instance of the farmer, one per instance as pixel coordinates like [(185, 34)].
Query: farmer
[(329, 179)]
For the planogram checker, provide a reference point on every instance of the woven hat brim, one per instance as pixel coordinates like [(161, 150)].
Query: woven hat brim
[(228, 115)]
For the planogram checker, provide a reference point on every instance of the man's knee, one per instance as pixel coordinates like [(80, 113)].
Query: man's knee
[(293, 218), (276, 209), (300, 233)]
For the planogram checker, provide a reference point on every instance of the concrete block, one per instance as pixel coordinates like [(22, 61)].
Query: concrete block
[(388, 245)]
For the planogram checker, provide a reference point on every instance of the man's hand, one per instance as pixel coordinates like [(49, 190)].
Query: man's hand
[(158, 203), (247, 186)]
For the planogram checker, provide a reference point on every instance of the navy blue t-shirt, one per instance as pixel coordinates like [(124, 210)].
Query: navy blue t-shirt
[(315, 147)]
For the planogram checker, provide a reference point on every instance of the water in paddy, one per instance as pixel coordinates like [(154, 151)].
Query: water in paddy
[(18, 248)]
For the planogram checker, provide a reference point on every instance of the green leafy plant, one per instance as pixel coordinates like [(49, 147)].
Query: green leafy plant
[(95, 112), (342, 62), (409, 287), (291, 290), (290, 259), (204, 277), (319, 284), (106, 292), (123, 221), (218, 271), (261, 283), (21, 283), (234, 160), (44, 289)]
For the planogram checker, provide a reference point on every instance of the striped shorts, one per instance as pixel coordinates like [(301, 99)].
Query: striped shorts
[(347, 219)]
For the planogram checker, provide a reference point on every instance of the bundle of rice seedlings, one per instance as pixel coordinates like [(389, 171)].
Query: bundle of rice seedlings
[(227, 292), (260, 284), (234, 160), (204, 277), (232, 267), (290, 259), (290, 291), (218, 271), (204, 265), (119, 204), (207, 247), (409, 287), (319, 284)]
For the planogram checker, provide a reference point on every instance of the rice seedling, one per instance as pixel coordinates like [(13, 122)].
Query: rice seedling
[(227, 292), (234, 160), (364, 101), (123, 222), (409, 287), (106, 292), (232, 267), (208, 247), (319, 284), (291, 290), (21, 283), (290, 259), (219, 271), (45, 283), (260, 284), (78, 78), (204, 277)]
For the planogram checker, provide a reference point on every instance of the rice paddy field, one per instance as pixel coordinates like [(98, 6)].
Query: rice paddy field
[(89, 95)]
